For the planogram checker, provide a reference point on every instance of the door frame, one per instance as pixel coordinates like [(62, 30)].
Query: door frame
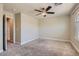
[(5, 31)]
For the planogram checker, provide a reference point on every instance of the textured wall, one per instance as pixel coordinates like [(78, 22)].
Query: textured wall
[(55, 27), (18, 28), (29, 28)]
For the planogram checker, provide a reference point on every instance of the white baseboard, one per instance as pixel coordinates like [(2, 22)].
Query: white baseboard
[(77, 49), (1, 51), (57, 39), (27, 41)]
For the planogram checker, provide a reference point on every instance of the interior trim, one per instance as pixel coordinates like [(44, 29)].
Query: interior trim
[(75, 9), (57, 39), (74, 46), (27, 41)]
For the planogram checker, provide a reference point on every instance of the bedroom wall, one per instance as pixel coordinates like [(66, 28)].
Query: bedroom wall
[(29, 28), (18, 28), (55, 28), (1, 27)]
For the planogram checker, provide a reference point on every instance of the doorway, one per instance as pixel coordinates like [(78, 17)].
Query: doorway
[(7, 31)]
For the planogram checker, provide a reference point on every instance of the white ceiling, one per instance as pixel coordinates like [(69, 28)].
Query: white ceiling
[(28, 8)]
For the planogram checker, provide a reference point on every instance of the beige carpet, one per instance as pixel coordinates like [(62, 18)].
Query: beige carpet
[(41, 47)]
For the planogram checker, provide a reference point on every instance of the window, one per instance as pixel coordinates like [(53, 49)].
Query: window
[(77, 27)]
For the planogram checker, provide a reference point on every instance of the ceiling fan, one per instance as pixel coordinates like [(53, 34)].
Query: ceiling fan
[(45, 11)]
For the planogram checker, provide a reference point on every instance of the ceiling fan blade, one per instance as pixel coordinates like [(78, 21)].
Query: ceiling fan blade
[(38, 10), (48, 8), (38, 14), (56, 4), (50, 12)]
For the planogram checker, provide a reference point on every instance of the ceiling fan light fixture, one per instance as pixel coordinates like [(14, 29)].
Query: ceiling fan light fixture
[(44, 14)]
